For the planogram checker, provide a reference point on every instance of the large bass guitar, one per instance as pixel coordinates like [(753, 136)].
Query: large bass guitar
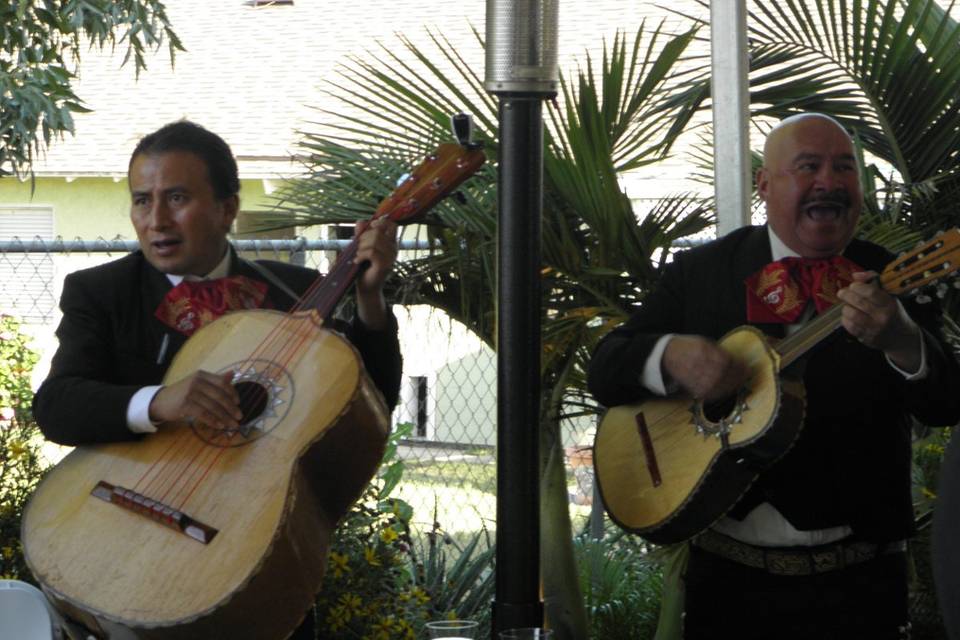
[(195, 532), (669, 467)]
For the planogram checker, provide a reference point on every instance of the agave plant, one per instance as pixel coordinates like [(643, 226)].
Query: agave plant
[(597, 258)]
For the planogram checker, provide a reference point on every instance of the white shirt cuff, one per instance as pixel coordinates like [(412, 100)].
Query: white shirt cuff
[(921, 373), (652, 376), (138, 411)]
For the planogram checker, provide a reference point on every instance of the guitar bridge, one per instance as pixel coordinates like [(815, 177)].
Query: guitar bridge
[(155, 510)]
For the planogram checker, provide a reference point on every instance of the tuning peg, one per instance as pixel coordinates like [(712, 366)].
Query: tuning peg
[(462, 126)]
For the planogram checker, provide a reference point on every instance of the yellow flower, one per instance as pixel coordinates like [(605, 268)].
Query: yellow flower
[(17, 449), (7, 553), (388, 535), (421, 595), (371, 556), (380, 630), (338, 564), (338, 617), (351, 602), (405, 629), (927, 493)]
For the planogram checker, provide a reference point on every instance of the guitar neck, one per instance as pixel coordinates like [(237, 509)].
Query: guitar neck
[(441, 172), (793, 347), (324, 295), (923, 266)]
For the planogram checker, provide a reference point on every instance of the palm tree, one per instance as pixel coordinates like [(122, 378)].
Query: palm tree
[(612, 121), (888, 71)]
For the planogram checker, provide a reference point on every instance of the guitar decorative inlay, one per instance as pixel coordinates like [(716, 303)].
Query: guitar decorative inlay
[(266, 392), (719, 428)]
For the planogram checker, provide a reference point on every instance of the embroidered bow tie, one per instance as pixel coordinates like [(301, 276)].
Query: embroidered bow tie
[(194, 304), (781, 290)]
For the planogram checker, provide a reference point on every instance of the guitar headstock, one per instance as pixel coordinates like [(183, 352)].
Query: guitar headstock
[(926, 264), (438, 175)]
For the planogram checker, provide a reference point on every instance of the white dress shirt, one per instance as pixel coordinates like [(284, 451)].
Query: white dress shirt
[(138, 411)]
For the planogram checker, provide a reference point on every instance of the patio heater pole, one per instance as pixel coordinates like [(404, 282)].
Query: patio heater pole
[(521, 69)]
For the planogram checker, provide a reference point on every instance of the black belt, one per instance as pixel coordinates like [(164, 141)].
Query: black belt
[(795, 561)]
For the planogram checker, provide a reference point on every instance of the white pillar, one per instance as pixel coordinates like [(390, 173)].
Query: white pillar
[(731, 108)]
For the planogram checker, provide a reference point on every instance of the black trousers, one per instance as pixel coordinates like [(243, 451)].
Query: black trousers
[(728, 600)]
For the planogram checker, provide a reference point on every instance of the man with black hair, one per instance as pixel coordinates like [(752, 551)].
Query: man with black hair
[(124, 321)]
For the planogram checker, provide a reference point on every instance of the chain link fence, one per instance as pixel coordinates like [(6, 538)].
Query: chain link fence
[(448, 392)]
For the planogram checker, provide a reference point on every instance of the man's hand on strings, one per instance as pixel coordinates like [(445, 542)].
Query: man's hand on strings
[(206, 398), (376, 245), (702, 368), (878, 320)]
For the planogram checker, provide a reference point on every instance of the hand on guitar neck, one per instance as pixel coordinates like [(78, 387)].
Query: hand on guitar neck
[(377, 246), (701, 368), (877, 320)]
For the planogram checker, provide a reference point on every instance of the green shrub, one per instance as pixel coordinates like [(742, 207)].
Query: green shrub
[(381, 584), (21, 466), (458, 578), (622, 581)]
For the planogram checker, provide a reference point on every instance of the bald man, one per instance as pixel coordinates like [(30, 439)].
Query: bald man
[(816, 547)]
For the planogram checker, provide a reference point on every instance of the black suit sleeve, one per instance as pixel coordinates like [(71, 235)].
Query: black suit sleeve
[(934, 400), (615, 369), (380, 351), (82, 401)]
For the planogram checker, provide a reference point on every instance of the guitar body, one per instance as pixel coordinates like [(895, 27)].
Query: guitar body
[(273, 495), (664, 467)]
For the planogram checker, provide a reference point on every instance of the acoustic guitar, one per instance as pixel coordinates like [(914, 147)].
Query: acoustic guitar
[(194, 532), (669, 467)]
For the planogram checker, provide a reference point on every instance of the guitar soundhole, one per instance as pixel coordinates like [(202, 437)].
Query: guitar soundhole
[(253, 400), (717, 410)]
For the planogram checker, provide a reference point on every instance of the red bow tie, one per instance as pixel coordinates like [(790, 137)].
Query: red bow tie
[(193, 304), (781, 290)]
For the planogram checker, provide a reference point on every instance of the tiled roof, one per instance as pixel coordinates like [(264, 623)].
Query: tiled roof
[(250, 74)]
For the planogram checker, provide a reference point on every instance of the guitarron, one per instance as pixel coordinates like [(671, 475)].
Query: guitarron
[(199, 533), (669, 467)]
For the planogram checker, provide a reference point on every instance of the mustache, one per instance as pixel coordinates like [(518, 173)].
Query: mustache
[(837, 196)]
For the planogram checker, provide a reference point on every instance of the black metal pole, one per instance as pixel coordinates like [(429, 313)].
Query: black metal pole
[(517, 601)]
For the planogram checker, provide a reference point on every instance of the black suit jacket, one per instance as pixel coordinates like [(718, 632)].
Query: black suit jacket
[(851, 463), (111, 345)]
